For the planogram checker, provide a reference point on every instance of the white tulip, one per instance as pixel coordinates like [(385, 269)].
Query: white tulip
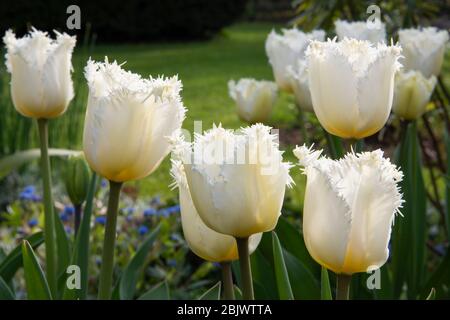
[(128, 120), (203, 241), (412, 93), (237, 180), (298, 77), (349, 209), (254, 99), (40, 67), (360, 30), (352, 85), (286, 50), (423, 49)]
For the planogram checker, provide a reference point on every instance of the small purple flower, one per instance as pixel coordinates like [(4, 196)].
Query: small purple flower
[(149, 212), (68, 229), (29, 189), (174, 209), (104, 183), (142, 230), (176, 237), (129, 218), (128, 210), (163, 213), (32, 222), (217, 264), (172, 263), (69, 210), (29, 193), (98, 261), (64, 216), (101, 220)]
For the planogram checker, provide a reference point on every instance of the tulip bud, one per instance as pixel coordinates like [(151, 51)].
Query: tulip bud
[(423, 49), (254, 99), (285, 50), (41, 83), (77, 177), (203, 241), (128, 120), (412, 93), (237, 181), (360, 30), (352, 85), (349, 209), (298, 78)]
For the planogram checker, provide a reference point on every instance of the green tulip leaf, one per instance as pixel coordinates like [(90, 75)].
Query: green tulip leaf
[(13, 261), (80, 254), (432, 294), (130, 275), (5, 291), (158, 292), (212, 293), (281, 274), (325, 288), (14, 161), (36, 284)]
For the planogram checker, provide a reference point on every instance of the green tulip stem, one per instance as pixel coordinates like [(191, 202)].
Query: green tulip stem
[(77, 219), (106, 271), (246, 270), (343, 286), (49, 216), (227, 281)]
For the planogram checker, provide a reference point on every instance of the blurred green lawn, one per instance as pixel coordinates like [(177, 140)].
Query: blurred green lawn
[(204, 69)]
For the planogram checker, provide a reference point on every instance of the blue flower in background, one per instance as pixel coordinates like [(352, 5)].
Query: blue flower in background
[(64, 216), (142, 230), (104, 183), (129, 218), (174, 209), (128, 210), (69, 210), (163, 213), (101, 220), (172, 263), (32, 222), (175, 237), (68, 229), (29, 193), (217, 264), (149, 212)]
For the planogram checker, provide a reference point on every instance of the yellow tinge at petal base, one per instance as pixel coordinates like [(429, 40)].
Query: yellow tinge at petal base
[(352, 85), (128, 121), (349, 209), (203, 241), (40, 67)]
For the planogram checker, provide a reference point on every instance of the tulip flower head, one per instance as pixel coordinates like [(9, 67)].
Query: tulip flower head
[(423, 49), (352, 85), (298, 78), (128, 121), (254, 99), (286, 49), (412, 93), (349, 209), (40, 67), (237, 180), (203, 241), (360, 30)]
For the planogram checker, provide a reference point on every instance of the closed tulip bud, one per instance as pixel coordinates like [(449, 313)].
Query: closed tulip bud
[(41, 83), (423, 49), (361, 30), (203, 241), (128, 120), (412, 93), (352, 85), (298, 77), (349, 209), (286, 49), (77, 177), (237, 181), (254, 99)]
